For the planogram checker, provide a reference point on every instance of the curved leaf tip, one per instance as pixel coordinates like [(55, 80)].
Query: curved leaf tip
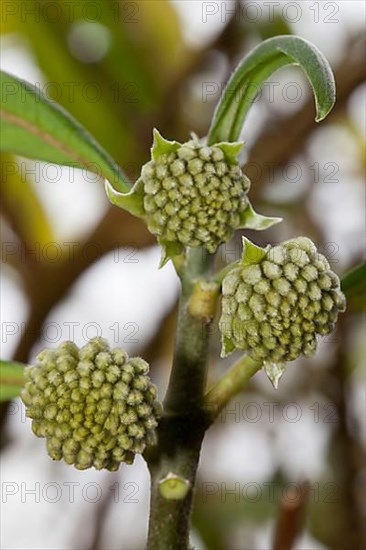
[(256, 68), (317, 69)]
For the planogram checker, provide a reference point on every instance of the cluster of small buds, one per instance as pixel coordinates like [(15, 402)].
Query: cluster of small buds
[(95, 406), (194, 195), (274, 307)]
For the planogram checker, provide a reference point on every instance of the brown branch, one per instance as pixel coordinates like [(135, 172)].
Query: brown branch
[(291, 515)]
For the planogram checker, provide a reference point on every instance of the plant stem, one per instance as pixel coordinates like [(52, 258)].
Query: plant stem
[(230, 384), (188, 376), (182, 427)]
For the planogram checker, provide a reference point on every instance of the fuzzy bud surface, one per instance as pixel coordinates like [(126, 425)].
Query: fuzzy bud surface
[(95, 406)]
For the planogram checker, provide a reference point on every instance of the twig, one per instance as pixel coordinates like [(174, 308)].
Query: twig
[(291, 515), (230, 385), (181, 429)]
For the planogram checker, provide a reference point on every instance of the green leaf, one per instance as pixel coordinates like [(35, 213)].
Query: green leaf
[(256, 67), (353, 284), (106, 96), (11, 379), (249, 219), (35, 127)]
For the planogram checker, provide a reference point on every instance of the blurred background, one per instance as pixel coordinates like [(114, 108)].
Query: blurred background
[(75, 267)]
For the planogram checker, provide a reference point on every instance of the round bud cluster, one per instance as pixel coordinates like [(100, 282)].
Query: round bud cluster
[(194, 196), (95, 406), (275, 308)]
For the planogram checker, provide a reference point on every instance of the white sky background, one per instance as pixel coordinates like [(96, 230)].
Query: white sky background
[(121, 292)]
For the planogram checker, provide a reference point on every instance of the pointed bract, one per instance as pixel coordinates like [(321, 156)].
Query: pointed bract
[(231, 149), (161, 145), (249, 219), (274, 371), (133, 201), (169, 250), (227, 346), (252, 254)]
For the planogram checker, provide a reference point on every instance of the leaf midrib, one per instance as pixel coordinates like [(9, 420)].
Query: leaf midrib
[(46, 137)]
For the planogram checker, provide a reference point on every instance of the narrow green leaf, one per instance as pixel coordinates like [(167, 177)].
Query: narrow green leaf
[(256, 67), (35, 127), (353, 285), (11, 379)]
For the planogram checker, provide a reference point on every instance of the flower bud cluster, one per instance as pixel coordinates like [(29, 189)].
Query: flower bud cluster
[(274, 308), (194, 195), (95, 406)]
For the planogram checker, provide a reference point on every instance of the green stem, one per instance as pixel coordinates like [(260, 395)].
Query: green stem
[(230, 385), (182, 428), (11, 379)]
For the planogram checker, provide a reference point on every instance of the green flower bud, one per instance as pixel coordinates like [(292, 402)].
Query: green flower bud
[(194, 195), (191, 195), (278, 300), (95, 406)]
